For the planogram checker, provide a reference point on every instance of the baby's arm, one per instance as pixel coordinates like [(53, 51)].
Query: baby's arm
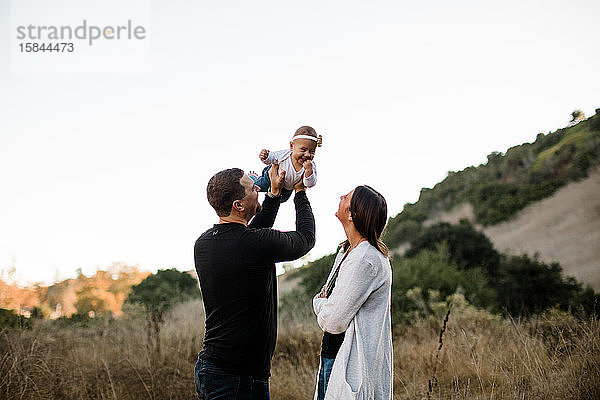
[(310, 174), (273, 155), (264, 156)]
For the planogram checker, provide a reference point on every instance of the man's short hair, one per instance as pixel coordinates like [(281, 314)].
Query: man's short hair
[(223, 189)]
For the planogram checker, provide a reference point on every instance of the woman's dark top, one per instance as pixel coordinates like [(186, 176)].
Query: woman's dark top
[(331, 344), (332, 341)]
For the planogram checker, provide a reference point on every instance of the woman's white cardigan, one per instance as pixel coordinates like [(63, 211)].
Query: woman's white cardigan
[(360, 306)]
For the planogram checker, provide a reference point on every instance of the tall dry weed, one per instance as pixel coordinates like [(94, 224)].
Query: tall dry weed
[(554, 356)]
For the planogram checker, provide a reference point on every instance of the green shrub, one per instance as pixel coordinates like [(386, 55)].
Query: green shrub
[(77, 320), (433, 271), (527, 286), (587, 302), (467, 248), (8, 319), (594, 123)]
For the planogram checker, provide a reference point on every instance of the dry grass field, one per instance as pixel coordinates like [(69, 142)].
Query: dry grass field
[(554, 356)]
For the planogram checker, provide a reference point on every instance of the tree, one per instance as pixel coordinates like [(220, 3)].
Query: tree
[(577, 116), (595, 121), (467, 248), (158, 292)]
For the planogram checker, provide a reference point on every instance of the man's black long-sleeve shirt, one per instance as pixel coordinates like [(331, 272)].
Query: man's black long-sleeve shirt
[(236, 268)]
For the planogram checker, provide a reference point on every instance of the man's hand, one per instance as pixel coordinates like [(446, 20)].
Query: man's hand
[(276, 178), (308, 168), (264, 153)]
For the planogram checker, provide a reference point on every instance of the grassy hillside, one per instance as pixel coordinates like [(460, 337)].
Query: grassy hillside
[(508, 182), (564, 227)]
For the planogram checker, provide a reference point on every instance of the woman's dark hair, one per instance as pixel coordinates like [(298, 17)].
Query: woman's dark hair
[(368, 209), (223, 189)]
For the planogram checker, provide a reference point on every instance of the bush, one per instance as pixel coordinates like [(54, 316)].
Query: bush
[(315, 273), (495, 202), (587, 303), (8, 319), (77, 320), (595, 121), (402, 232), (449, 259), (527, 286), (432, 272), (467, 248)]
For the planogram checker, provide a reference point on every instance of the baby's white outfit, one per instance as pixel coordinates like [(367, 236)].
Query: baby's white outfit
[(291, 175)]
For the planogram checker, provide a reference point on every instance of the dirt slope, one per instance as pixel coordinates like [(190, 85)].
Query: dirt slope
[(563, 228)]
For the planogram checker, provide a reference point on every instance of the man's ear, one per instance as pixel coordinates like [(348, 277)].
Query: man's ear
[(238, 206), (291, 145)]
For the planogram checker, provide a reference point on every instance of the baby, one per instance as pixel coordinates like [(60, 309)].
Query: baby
[(297, 162)]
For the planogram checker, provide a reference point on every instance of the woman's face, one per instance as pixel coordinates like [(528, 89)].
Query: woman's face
[(343, 212)]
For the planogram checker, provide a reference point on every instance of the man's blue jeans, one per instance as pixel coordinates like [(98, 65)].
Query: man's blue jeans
[(212, 383), (324, 373)]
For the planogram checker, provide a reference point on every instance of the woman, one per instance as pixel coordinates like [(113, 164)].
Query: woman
[(353, 309)]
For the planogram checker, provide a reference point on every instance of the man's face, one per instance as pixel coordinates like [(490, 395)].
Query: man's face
[(250, 200), (303, 150)]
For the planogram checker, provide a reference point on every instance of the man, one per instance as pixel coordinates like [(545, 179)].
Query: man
[(235, 261)]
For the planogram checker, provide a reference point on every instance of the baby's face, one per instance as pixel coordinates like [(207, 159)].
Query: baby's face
[(303, 149)]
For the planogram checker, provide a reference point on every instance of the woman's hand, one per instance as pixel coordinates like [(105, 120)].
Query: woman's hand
[(276, 178), (323, 293)]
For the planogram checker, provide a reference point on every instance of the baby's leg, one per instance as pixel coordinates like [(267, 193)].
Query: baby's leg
[(263, 181)]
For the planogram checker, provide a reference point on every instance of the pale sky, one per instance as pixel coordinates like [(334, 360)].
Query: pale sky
[(106, 159)]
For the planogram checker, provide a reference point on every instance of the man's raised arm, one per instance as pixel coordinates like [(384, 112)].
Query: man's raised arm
[(286, 246)]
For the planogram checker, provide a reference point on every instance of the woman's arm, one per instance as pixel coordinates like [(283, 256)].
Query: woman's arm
[(356, 281)]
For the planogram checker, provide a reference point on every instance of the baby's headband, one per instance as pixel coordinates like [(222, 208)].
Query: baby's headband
[(319, 139)]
